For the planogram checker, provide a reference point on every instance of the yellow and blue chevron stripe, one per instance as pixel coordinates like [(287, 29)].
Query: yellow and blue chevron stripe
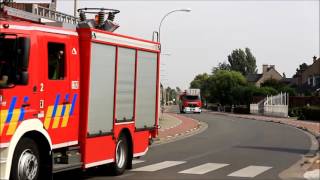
[(13, 116), (58, 112)]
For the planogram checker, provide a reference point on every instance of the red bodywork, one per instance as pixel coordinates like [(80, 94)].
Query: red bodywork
[(190, 102), (47, 99)]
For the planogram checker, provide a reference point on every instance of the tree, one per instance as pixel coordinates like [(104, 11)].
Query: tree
[(279, 87), (301, 68), (222, 84), (170, 94), (201, 81), (221, 66), (242, 61)]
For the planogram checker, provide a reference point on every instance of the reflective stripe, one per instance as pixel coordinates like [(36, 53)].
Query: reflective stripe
[(48, 117), (14, 122), (12, 105), (64, 106), (3, 117), (25, 100), (55, 106), (73, 103), (57, 118), (66, 116)]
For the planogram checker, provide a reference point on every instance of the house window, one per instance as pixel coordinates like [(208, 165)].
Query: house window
[(310, 81), (317, 80)]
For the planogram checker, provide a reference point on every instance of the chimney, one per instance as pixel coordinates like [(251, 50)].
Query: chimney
[(272, 67), (314, 58), (264, 68)]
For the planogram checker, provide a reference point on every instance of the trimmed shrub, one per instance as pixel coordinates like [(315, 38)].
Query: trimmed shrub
[(310, 113), (241, 110), (305, 113)]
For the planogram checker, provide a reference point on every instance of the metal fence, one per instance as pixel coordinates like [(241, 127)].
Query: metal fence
[(272, 106)]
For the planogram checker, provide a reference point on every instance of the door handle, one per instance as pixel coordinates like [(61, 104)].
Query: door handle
[(25, 105), (66, 102)]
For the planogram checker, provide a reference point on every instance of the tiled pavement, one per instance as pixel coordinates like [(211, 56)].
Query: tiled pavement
[(174, 125)]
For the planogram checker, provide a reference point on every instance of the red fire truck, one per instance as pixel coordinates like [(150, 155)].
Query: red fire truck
[(73, 94), (190, 101)]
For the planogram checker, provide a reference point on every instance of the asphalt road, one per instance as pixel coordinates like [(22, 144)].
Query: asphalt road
[(231, 148)]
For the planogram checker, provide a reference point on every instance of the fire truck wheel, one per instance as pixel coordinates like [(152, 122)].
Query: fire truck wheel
[(119, 166), (26, 161)]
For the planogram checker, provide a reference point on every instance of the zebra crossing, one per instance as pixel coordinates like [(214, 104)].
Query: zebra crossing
[(246, 172)]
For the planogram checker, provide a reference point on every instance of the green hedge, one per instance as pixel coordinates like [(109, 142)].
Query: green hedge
[(241, 110), (306, 112)]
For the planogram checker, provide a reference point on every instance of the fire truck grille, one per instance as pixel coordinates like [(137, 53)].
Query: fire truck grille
[(192, 105)]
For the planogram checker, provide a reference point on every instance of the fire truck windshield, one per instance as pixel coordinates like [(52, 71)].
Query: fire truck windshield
[(191, 98), (11, 60)]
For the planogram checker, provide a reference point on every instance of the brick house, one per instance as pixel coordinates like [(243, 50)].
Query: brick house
[(309, 78), (30, 5), (268, 72)]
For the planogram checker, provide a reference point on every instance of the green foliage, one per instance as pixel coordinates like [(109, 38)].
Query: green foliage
[(279, 87), (222, 84), (201, 81), (221, 66), (302, 67), (170, 94), (242, 61), (241, 110), (243, 95), (306, 112), (227, 84)]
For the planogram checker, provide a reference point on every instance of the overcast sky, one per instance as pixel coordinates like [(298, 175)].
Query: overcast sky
[(283, 33)]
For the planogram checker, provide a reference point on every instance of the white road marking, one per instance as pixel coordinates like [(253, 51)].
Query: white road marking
[(250, 171), (159, 166), (137, 161), (204, 168), (312, 175)]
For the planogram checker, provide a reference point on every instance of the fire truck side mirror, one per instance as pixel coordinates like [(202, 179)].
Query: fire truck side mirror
[(24, 51)]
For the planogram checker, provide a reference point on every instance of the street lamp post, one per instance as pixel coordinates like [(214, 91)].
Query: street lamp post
[(75, 8), (166, 15)]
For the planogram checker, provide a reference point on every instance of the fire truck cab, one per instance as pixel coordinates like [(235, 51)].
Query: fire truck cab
[(73, 97), (190, 101)]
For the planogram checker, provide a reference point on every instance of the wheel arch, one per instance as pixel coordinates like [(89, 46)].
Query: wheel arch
[(32, 128)]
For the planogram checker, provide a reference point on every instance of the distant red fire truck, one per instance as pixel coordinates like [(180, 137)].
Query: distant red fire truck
[(190, 101), (73, 94)]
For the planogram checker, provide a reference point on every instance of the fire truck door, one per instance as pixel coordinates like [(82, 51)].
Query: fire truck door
[(55, 89)]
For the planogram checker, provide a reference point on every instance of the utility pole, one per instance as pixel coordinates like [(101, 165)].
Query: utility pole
[(75, 8)]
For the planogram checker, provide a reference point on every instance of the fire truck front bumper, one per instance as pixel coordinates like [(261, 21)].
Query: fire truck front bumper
[(192, 110), (3, 163)]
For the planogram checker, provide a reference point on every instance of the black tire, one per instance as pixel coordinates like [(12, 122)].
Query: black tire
[(121, 156), (26, 149)]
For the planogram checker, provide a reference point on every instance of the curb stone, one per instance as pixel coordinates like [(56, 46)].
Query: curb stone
[(200, 127)]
